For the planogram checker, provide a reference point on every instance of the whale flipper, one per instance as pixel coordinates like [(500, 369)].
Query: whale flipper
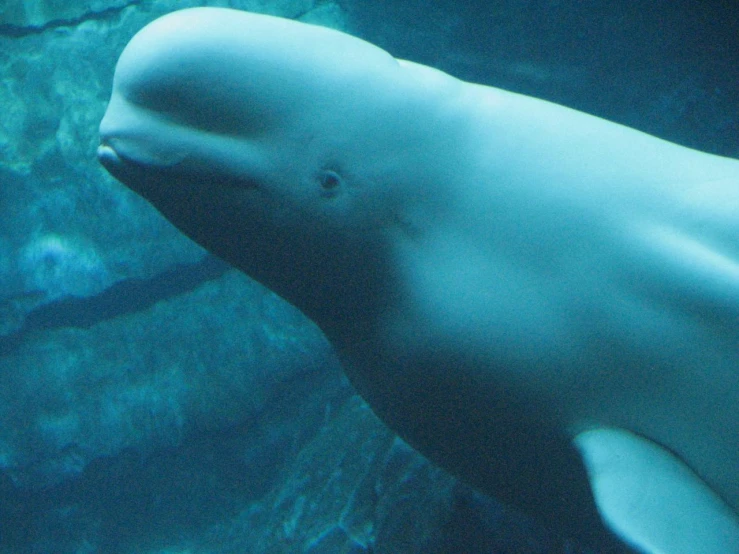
[(651, 499)]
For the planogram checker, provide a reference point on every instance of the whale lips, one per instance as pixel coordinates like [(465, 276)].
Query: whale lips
[(112, 161), (141, 176), (108, 157)]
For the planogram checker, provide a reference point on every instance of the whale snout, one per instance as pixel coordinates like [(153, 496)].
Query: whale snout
[(113, 162), (108, 151), (133, 162), (108, 157), (126, 171)]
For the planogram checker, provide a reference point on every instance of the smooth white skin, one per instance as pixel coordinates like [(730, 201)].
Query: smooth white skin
[(498, 273)]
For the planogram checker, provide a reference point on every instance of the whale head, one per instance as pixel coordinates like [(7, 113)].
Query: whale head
[(284, 135)]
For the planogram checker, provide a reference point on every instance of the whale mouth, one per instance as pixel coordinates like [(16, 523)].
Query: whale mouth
[(108, 157), (114, 164), (143, 175), (122, 157), (128, 171)]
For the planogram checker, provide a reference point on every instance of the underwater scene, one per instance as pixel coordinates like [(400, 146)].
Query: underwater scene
[(270, 284)]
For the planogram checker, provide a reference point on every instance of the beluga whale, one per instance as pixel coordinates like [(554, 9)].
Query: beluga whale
[(542, 302)]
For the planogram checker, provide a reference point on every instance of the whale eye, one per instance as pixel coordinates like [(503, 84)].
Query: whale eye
[(330, 181)]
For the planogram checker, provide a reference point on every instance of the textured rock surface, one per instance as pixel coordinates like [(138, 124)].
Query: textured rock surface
[(203, 361), (37, 13), (353, 488), (20, 17), (166, 499)]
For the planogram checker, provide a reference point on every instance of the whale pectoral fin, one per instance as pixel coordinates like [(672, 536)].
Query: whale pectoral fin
[(651, 499)]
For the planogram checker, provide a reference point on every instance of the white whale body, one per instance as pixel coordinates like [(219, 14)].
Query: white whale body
[(543, 302)]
